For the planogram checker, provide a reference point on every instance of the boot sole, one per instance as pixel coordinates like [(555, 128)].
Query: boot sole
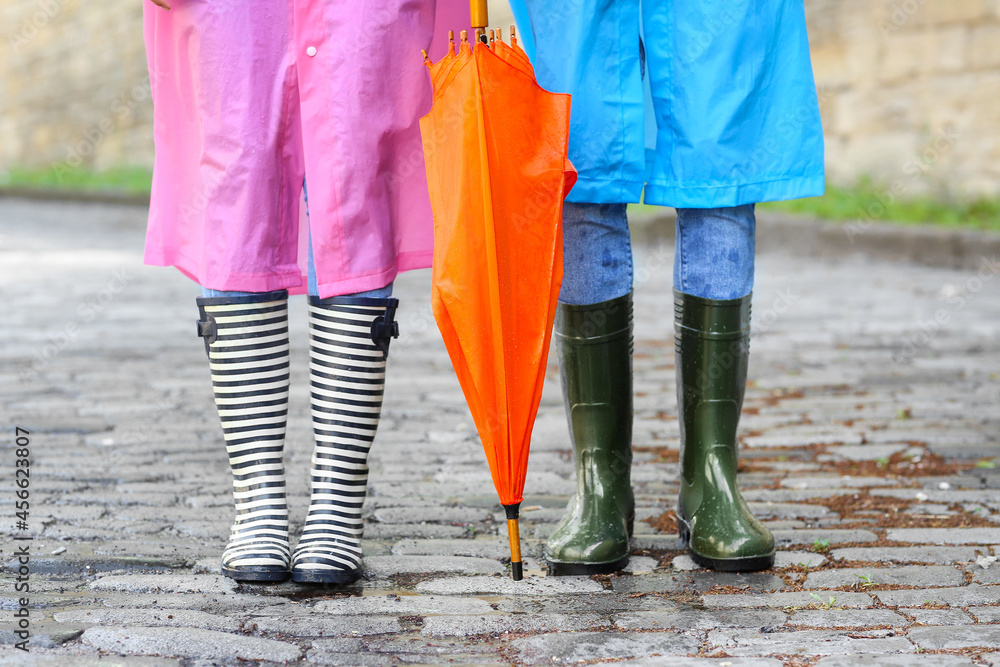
[(559, 569), (325, 577), (748, 564), (258, 573)]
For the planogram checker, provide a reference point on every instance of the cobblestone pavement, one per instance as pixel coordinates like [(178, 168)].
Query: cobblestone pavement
[(870, 437)]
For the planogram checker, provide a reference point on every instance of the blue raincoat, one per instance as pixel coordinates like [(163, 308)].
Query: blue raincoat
[(730, 115)]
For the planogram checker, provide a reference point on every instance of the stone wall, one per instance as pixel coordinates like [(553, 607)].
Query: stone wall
[(73, 84), (910, 92), (910, 89)]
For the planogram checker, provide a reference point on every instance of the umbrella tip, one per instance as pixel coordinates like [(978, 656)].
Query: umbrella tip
[(427, 59), (516, 571), (465, 36)]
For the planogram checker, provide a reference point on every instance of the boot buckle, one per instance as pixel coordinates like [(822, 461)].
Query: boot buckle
[(385, 328), (207, 329)]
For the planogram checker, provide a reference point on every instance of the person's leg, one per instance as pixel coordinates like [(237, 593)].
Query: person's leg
[(349, 344), (593, 330), (246, 338), (715, 248), (713, 281)]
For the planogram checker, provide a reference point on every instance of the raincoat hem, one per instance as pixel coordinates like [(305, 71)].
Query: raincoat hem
[(242, 282), (715, 196), (603, 191), (353, 285)]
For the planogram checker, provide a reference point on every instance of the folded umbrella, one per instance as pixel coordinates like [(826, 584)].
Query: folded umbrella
[(495, 150)]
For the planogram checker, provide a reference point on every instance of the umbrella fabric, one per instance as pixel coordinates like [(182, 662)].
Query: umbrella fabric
[(495, 148)]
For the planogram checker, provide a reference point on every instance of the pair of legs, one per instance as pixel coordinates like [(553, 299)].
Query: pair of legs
[(246, 338), (713, 279)]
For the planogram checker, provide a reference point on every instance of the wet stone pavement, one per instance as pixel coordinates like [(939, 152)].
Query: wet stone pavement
[(871, 438)]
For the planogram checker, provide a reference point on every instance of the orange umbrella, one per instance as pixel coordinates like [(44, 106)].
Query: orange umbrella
[(495, 147)]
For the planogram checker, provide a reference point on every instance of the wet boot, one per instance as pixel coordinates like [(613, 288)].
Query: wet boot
[(247, 343), (349, 345), (711, 340), (595, 350)]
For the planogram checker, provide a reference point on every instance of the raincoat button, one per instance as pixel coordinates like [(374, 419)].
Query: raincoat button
[(311, 51)]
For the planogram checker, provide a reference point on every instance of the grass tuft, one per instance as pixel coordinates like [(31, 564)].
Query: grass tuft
[(126, 180), (868, 201)]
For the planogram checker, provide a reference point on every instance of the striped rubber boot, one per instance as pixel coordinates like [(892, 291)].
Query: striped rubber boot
[(246, 338), (349, 345)]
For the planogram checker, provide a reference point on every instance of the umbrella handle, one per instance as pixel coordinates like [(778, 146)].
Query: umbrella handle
[(514, 534), (480, 17)]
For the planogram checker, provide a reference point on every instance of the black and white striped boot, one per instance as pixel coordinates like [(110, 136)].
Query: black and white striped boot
[(246, 338), (349, 345)]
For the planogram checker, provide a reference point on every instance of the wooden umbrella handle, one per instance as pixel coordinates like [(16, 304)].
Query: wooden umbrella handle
[(480, 16)]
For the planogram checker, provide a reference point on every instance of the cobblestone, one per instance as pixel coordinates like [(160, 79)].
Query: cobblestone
[(189, 643), (675, 661), (130, 477), (941, 616), (569, 648), (983, 614), (956, 636), (150, 618), (831, 536), (846, 618), (319, 626), (386, 566), (882, 660), (908, 575), (942, 555), (165, 583), (807, 642), (698, 620), (403, 605), (479, 548), (504, 586), (465, 626), (957, 597), (16, 658), (945, 535), (791, 599)]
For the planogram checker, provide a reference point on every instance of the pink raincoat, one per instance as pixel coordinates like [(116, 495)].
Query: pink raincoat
[(250, 98)]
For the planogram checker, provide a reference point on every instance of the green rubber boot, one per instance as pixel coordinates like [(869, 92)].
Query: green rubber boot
[(712, 344), (595, 350)]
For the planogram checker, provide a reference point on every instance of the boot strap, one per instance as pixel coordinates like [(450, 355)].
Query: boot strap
[(385, 327)]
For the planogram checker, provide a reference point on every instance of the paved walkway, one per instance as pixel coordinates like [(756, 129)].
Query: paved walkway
[(871, 431)]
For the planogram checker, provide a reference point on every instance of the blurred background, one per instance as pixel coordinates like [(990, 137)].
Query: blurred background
[(909, 91)]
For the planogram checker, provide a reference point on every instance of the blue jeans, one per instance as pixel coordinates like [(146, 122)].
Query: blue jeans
[(313, 288), (713, 258)]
